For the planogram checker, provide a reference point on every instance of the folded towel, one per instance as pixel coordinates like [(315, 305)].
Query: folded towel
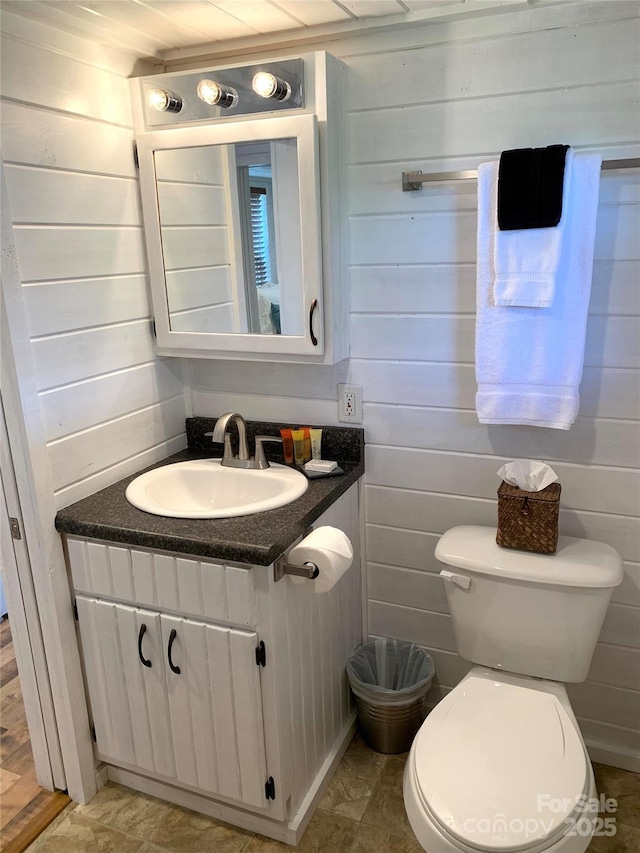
[(526, 261), (530, 182), (529, 360)]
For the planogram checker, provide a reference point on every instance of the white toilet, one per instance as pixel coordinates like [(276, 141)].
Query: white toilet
[(500, 764)]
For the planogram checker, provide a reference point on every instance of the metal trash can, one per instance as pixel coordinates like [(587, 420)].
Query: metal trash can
[(390, 679)]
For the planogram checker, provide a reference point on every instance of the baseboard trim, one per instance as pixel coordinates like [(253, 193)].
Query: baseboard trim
[(614, 757), (102, 775)]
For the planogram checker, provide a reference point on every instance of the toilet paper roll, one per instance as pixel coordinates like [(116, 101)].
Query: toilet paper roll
[(330, 549)]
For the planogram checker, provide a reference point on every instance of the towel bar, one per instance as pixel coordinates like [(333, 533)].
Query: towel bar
[(415, 180)]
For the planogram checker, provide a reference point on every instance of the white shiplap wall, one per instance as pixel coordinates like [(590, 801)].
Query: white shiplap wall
[(109, 406), (465, 93)]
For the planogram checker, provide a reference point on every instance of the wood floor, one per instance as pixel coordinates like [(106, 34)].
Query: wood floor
[(25, 808)]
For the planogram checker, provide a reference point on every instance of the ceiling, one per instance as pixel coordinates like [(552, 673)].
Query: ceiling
[(160, 27)]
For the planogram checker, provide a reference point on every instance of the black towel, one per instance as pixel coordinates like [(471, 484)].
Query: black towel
[(530, 187)]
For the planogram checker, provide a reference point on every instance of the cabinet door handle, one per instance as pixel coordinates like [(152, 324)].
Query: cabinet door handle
[(172, 637), (312, 308), (143, 631)]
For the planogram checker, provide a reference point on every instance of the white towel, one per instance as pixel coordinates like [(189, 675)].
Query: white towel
[(526, 260), (529, 360)]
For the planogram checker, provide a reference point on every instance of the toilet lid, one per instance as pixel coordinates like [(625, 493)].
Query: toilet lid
[(500, 766)]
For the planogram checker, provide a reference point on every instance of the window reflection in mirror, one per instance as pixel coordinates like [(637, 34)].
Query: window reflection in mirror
[(231, 237)]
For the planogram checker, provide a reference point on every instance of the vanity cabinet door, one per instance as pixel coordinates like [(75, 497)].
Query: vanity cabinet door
[(215, 707), (124, 667), (175, 697)]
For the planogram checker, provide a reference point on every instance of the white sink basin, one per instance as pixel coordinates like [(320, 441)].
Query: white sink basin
[(204, 489)]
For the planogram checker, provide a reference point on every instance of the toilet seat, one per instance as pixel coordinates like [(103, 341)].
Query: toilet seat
[(499, 765)]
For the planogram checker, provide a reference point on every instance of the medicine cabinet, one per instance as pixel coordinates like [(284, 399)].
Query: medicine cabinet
[(244, 213)]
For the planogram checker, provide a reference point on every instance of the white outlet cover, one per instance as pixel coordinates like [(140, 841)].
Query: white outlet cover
[(356, 392)]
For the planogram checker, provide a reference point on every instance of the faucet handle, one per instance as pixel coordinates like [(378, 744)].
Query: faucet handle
[(260, 459)]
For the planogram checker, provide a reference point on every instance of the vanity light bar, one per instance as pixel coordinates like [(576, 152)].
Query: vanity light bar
[(221, 93), (215, 94)]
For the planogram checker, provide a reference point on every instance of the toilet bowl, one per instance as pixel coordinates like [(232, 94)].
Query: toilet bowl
[(499, 765)]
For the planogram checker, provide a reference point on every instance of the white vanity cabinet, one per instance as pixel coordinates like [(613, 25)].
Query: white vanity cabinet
[(214, 686)]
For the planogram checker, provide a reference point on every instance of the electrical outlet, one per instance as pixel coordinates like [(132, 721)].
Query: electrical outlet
[(350, 404)]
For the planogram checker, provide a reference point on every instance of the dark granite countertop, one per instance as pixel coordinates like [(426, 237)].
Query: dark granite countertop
[(255, 539)]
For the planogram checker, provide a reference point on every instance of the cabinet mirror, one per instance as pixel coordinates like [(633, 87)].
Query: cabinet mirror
[(233, 235)]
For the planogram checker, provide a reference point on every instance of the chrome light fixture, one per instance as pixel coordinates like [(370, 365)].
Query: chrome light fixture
[(269, 86), (164, 101), (216, 94), (222, 93)]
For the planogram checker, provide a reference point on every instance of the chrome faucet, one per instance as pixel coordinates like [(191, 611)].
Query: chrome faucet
[(221, 435), (243, 459)]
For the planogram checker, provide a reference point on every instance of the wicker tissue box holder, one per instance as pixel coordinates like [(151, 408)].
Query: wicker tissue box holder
[(528, 521)]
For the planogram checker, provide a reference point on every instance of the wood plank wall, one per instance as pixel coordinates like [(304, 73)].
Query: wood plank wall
[(109, 406), (448, 97)]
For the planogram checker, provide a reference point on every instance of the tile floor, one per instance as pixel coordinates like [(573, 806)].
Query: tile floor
[(361, 812)]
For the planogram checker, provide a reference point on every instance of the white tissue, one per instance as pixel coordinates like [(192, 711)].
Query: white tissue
[(528, 475), (330, 549)]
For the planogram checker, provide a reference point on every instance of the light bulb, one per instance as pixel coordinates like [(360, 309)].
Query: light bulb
[(163, 101), (217, 95), (269, 86)]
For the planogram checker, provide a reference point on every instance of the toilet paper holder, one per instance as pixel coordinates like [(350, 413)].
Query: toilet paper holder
[(307, 570)]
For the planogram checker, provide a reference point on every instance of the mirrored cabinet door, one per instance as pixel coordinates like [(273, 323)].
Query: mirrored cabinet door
[(232, 223)]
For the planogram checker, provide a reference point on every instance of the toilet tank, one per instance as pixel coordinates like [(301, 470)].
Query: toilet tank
[(527, 613)]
